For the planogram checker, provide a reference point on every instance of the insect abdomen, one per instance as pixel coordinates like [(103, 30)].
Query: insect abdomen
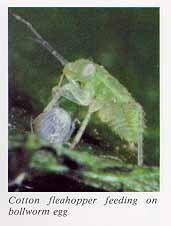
[(126, 120)]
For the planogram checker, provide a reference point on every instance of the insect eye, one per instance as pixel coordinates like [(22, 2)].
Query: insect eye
[(71, 66), (88, 70)]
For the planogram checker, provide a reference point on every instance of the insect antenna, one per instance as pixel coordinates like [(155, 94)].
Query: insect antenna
[(38, 38)]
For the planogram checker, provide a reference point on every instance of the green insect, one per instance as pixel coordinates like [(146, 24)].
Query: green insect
[(91, 85)]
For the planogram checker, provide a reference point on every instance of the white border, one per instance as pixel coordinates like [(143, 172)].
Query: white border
[(83, 3), (142, 216)]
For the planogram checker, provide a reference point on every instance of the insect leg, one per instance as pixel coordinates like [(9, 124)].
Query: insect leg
[(61, 80), (31, 125), (54, 101), (140, 151), (72, 129), (81, 130)]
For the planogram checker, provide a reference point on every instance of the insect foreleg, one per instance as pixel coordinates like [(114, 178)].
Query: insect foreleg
[(54, 102), (81, 130), (61, 80), (56, 94)]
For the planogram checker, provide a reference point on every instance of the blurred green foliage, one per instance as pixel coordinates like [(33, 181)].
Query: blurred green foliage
[(98, 172), (124, 40)]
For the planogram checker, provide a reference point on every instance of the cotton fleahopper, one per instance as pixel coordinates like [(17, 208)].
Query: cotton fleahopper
[(91, 85)]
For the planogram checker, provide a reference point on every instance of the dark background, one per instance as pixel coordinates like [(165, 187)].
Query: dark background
[(124, 40)]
